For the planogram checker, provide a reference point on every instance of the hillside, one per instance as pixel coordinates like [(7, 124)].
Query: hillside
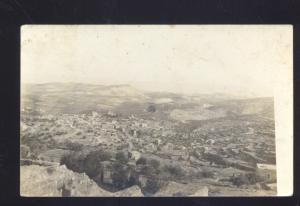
[(95, 140), (74, 98)]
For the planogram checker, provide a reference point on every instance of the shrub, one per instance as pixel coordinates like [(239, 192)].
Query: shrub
[(151, 108), (122, 157), (245, 179), (121, 176), (93, 162), (152, 186), (215, 158), (141, 161), (73, 146), (253, 178), (74, 161), (175, 170), (206, 173), (154, 163), (149, 171)]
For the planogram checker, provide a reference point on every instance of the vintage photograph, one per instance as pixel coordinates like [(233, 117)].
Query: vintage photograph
[(150, 110)]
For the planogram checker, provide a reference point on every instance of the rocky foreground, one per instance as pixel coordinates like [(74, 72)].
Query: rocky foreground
[(57, 181)]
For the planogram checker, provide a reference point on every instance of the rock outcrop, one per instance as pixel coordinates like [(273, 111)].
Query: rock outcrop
[(56, 181)]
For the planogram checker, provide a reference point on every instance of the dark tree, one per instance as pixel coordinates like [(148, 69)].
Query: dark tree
[(154, 163), (122, 157), (121, 176), (152, 186), (151, 108), (175, 170), (141, 161)]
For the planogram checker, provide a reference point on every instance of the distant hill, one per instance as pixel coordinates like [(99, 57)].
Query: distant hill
[(75, 97), (79, 88), (125, 99)]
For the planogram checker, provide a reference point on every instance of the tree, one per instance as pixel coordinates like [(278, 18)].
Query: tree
[(93, 161), (246, 179), (120, 176), (74, 161), (151, 108), (141, 161), (154, 163), (149, 171), (152, 185), (120, 156)]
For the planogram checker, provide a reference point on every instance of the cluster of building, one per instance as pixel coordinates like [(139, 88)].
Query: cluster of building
[(240, 144)]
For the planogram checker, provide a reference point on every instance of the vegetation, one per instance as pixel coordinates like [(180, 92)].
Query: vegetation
[(175, 170), (152, 186), (122, 157), (74, 161), (246, 179), (151, 108), (154, 163), (141, 161), (73, 146), (215, 143), (121, 176)]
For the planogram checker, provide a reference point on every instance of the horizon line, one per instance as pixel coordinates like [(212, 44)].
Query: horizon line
[(152, 91)]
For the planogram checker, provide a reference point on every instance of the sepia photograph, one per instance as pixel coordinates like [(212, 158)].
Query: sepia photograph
[(156, 110)]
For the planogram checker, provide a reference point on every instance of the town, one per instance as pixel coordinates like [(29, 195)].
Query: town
[(123, 151)]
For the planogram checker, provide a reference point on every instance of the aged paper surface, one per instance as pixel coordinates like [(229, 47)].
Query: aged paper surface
[(156, 110)]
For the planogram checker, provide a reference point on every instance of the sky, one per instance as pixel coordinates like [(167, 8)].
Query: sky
[(239, 60)]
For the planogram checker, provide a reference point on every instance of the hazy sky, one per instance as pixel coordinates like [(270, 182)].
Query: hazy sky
[(240, 60)]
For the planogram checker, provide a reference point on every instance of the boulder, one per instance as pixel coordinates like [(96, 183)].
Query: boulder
[(203, 192)]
